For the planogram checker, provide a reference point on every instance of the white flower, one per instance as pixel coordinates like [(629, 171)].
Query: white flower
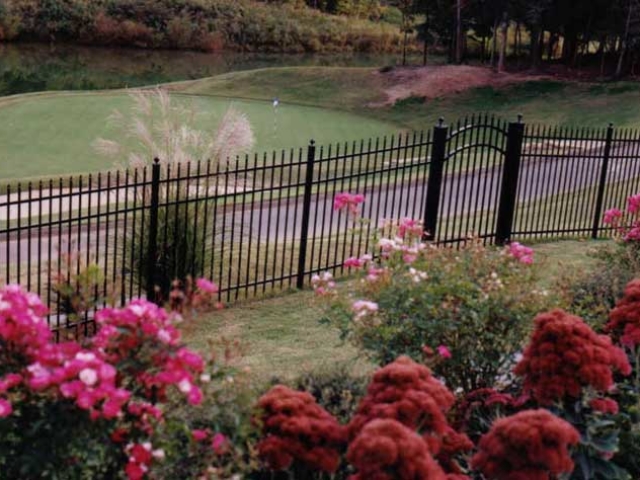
[(362, 308), (137, 310), (158, 454), (88, 376), (185, 386), (205, 378), (164, 336), (85, 356)]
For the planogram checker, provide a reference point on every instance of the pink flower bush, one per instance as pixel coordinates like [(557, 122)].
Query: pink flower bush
[(444, 352), (612, 217), (409, 227), (207, 286), (348, 201), (521, 253), (633, 203), (323, 284), (120, 376), (363, 309)]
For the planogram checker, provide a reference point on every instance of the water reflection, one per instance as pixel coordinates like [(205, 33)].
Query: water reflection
[(37, 67)]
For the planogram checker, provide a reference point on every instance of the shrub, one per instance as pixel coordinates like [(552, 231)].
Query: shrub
[(335, 389), (298, 433), (96, 410), (566, 356), (388, 449), (532, 444), (406, 392), (592, 294), (467, 310)]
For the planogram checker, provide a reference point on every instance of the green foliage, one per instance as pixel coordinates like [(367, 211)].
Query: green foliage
[(78, 291), (592, 294), (183, 246), (57, 440), (336, 389), (477, 302), (227, 410), (207, 25)]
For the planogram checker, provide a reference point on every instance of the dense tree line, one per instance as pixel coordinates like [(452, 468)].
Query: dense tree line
[(574, 32)]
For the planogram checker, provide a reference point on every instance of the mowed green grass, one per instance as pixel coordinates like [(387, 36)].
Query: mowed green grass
[(548, 101), (52, 134), (283, 336)]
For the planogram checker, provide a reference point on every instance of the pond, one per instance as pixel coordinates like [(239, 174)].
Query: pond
[(39, 67)]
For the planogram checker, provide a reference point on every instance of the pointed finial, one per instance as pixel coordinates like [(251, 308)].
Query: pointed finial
[(520, 117), (156, 160), (441, 121)]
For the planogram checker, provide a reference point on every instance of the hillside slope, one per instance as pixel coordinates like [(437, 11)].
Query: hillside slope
[(209, 25)]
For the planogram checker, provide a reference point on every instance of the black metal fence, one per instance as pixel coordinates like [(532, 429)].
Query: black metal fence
[(267, 222)]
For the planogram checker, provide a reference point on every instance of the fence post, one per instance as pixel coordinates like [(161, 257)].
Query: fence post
[(306, 214), (603, 182), (152, 244), (434, 184), (509, 187)]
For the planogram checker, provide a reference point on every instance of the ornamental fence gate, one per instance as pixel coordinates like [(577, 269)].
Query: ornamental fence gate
[(266, 222)]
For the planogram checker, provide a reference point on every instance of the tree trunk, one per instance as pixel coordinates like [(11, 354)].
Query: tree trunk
[(494, 44), (459, 39), (603, 54), (483, 49), (504, 30), (404, 48), (535, 47), (624, 41)]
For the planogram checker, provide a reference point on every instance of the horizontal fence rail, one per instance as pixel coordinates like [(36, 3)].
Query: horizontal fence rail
[(267, 222)]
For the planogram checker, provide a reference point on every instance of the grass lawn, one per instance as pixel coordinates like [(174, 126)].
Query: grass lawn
[(52, 134), (284, 337), (540, 101)]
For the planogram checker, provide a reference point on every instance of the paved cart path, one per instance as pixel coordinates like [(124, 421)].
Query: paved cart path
[(280, 220)]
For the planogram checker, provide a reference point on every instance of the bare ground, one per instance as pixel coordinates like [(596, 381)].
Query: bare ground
[(441, 81)]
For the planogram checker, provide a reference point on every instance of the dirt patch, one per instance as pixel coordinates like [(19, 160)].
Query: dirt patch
[(441, 81)]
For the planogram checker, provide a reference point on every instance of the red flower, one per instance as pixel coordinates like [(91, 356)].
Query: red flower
[(531, 445), (624, 320), (565, 355), (387, 450), (296, 428), (604, 405), (406, 391)]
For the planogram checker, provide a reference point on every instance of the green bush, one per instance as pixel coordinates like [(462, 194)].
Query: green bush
[(592, 294), (208, 25), (183, 246), (336, 389), (475, 304)]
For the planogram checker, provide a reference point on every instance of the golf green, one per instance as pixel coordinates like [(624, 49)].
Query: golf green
[(52, 134)]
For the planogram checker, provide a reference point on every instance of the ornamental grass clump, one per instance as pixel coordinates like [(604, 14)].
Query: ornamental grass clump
[(530, 445), (386, 450), (566, 356), (298, 433)]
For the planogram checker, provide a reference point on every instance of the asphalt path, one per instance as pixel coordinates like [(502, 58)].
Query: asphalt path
[(279, 220)]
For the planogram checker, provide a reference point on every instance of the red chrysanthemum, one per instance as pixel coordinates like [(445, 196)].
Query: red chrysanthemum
[(387, 450), (565, 355), (296, 428), (604, 405), (624, 320), (531, 445), (407, 392)]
